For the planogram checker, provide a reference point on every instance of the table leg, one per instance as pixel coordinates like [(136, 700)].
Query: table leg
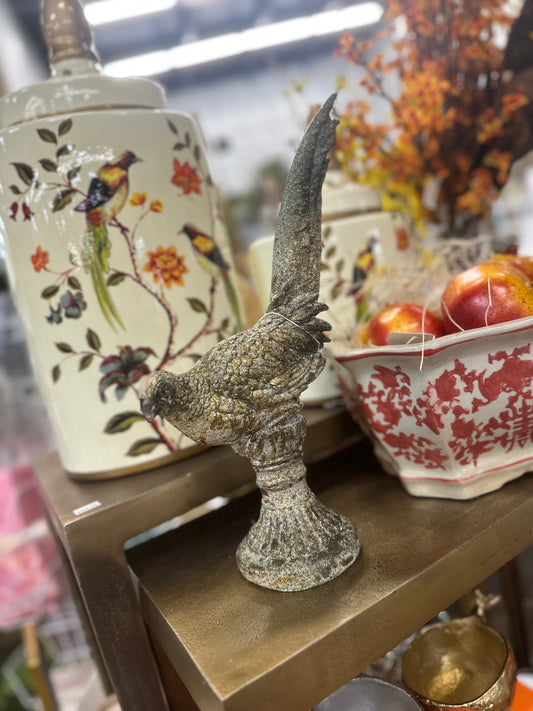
[(107, 590), (80, 608), (512, 594)]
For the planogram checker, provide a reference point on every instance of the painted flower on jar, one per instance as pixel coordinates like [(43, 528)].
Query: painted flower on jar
[(167, 266), (27, 211), (156, 206), (73, 304), (138, 199), (123, 370), (40, 259), (186, 178)]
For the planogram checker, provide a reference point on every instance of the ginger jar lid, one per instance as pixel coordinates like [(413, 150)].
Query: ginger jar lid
[(85, 92), (342, 197), (77, 82)]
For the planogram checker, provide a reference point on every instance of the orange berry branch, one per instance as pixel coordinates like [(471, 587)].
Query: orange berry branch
[(459, 116)]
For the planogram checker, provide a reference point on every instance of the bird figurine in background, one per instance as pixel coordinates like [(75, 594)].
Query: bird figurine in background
[(210, 258), (364, 263), (246, 390), (107, 194)]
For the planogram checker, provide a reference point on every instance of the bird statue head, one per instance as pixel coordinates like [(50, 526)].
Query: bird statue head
[(161, 397), (126, 159)]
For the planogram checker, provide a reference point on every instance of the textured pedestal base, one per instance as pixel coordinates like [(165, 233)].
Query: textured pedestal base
[(297, 543)]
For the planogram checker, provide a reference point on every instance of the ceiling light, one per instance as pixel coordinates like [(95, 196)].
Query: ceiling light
[(102, 12), (251, 40)]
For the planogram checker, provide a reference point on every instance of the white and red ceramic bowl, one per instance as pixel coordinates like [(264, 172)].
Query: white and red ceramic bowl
[(453, 417)]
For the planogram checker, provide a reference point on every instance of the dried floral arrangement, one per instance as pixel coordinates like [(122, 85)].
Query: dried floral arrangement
[(459, 108)]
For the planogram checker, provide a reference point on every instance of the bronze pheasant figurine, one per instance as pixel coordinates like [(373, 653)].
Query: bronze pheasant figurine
[(245, 392)]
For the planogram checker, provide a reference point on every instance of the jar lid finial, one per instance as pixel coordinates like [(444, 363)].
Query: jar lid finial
[(67, 34)]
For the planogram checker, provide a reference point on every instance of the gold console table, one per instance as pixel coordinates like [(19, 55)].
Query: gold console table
[(92, 520), (238, 647)]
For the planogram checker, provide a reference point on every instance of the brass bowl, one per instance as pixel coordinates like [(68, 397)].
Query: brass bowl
[(462, 664)]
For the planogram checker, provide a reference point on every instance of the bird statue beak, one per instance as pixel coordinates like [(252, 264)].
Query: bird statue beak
[(148, 408), (137, 160)]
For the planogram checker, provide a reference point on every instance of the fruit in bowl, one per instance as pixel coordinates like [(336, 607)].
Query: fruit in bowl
[(489, 293), (399, 318), (522, 263)]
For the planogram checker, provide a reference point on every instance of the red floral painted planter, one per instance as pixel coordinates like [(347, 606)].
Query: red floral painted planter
[(452, 418)]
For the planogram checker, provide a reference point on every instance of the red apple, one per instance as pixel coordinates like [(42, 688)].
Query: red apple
[(399, 318), (486, 294)]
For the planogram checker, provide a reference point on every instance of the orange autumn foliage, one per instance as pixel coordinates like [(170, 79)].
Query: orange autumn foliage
[(450, 122)]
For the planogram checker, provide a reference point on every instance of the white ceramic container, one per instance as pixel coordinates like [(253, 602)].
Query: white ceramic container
[(108, 295), (453, 417)]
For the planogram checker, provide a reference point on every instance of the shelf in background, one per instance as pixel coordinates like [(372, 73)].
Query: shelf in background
[(238, 647)]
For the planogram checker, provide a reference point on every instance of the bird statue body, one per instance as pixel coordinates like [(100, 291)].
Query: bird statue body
[(107, 194), (245, 392), (206, 410)]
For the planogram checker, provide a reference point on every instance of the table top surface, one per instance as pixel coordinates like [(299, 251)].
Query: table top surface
[(238, 646)]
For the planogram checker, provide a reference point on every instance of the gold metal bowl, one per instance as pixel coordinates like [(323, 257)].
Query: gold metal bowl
[(462, 664)]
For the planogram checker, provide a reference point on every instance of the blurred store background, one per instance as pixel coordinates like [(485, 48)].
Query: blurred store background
[(249, 71)]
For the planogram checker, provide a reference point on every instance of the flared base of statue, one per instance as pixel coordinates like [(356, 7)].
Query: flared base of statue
[(297, 543)]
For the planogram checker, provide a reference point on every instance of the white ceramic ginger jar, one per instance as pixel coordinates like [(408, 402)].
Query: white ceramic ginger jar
[(116, 251)]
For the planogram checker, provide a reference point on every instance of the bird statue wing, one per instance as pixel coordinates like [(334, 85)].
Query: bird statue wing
[(282, 362)]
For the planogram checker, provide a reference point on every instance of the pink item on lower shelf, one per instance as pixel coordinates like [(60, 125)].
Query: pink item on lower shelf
[(29, 561)]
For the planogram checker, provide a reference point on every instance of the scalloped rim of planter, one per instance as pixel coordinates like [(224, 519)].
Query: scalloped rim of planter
[(436, 345), (486, 480)]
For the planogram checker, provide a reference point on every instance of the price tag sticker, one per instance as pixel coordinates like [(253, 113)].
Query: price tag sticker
[(86, 508)]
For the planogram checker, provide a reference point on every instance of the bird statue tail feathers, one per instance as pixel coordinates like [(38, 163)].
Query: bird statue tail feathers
[(298, 237), (96, 251)]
